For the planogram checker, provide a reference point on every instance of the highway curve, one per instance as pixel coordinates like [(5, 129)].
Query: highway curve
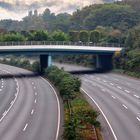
[(29, 106), (118, 99)]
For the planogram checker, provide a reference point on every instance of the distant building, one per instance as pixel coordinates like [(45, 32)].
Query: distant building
[(30, 14), (35, 13)]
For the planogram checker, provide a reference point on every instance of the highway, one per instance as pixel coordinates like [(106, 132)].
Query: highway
[(118, 99), (29, 106)]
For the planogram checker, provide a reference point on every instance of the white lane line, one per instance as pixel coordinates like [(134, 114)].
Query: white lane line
[(25, 127), (125, 106), (111, 84), (34, 87), (58, 105), (36, 93), (127, 91), (2, 86), (4, 113), (104, 81), (12, 102), (136, 96), (32, 112), (35, 101), (1, 119), (0, 89), (119, 87), (113, 97), (103, 90), (32, 83), (115, 137), (138, 119)]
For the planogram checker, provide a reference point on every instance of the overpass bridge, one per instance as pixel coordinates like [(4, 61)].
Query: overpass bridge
[(45, 50)]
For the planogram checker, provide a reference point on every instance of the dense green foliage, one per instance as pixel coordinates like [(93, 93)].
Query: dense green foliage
[(74, 104)]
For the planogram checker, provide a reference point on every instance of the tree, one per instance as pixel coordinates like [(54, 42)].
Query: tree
[(59, 36), (84, 36), (94, 36), (74, 36)]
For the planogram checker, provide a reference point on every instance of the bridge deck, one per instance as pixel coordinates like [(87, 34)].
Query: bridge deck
[(57, 49)]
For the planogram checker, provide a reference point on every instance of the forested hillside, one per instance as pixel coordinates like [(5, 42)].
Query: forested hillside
[(117, 22)]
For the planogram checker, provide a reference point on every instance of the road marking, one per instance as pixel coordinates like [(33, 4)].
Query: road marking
[(103, 90), (12, 102), (36, 93), (112, 84), (32, 83), (136, 96), (1, 119), (0, 89), (113, 97), (127, 91), (58, 104), (125, 106), (4, 113), (138, 119), (2, 86), (119, 87), (35, 101), (104, 81), (34, 87), (24, 129), (32, 112), (115, 137)]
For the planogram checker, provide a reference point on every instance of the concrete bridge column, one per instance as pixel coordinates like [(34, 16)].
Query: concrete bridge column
[(104, 62), (45, 61)]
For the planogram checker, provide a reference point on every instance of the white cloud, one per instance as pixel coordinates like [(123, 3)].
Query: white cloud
[(16, 9)]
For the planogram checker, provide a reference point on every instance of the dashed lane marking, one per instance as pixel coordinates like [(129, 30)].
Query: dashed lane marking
[(125, 106), (138, 119), (136, 96), (25, 127)]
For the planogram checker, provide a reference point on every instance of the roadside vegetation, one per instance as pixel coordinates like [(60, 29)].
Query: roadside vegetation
[(80, 121)]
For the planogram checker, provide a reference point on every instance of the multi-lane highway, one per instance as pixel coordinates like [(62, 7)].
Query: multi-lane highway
[(118, 99), (29, 106)]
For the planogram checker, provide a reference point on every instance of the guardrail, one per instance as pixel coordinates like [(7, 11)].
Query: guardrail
[(17, 43)]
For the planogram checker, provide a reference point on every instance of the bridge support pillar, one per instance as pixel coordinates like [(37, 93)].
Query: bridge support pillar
[(104, 62), (45, 61)]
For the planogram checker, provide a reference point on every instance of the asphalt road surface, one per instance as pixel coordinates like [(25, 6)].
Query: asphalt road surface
[(118, 99), (29, 106)]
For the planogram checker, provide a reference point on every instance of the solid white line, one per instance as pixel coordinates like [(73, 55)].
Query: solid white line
[(138, 119), (4, 113), (12, 104), (102, 114), (127, 91), (32, 112), (125, 106), (136, 96), (113, 97), (58, 105), (24, 129)]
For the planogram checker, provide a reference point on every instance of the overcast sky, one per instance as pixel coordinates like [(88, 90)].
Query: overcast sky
[(16, 9)]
